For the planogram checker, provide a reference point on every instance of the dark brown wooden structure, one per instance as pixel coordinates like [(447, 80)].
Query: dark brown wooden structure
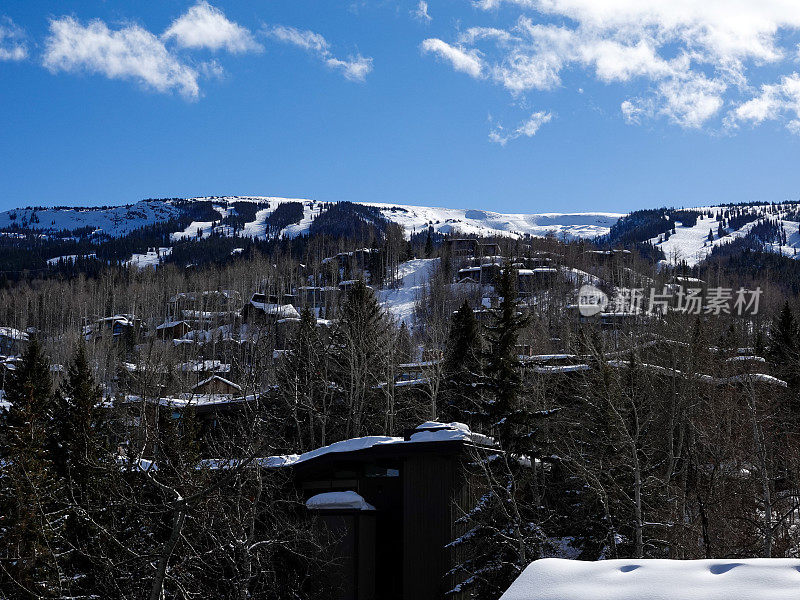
[(418, 489)]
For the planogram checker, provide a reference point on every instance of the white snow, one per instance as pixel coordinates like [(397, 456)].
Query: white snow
[(658, 579), (338, 501), (152, 258), (118, 221), (14, 334), (201, 229), (400, 301), (115, 221), (691, 244), (280, 311), (70, 258), (455, 432), (488, 223)]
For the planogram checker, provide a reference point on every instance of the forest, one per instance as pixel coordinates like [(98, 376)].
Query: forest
[(672, 435)]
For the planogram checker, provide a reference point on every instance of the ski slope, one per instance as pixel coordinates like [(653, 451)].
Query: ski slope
[(488, 223), (691, 244), (114, 221), (121, 220), (400, 300)]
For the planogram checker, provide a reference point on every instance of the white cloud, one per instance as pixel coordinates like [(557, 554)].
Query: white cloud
[(685, 59), (355, 68), (12, 41), (421, 12), (128, 53), (774, 101), (527, 128), (465, 61), (204, 26)]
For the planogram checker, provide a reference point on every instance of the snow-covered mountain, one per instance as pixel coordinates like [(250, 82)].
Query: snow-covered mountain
[(683, 235), (118, 221)]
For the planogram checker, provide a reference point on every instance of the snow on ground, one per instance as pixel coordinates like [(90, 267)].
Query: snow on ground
[(115, 221), (311, 210), (483, 222), (203, 229), (151, 259), (70, 258), (691, 244), (400, 301), (579, 277), (658, 579)]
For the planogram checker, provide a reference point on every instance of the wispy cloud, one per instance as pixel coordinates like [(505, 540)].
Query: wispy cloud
[(686, 59), (465, 61), (354, 68), (421, 12), (527, 128), (12, 41), (204, 26), (130, 52)]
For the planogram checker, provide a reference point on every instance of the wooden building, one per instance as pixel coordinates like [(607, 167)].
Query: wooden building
[(12, 341), (172, 330), (216, 385), (418, 486)]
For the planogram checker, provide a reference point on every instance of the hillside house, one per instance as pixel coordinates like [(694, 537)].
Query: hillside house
[(217, 386), (259, 311), (12, 341), (172, 330), (461, 246), (116, 327)]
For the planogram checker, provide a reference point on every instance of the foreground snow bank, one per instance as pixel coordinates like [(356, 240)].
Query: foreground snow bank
[(718, 579)]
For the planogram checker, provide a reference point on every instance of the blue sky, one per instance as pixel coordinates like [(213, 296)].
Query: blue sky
[(508, 105)]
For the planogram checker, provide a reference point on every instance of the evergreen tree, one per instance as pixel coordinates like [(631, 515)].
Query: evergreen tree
[(85, 461), (428, 245), (303, 387), (783, 347), (360, 343), (30, 522), (503, 533), (462, 369)]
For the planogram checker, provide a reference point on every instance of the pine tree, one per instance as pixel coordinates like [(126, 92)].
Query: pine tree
[(462, 369), (783, 346), (502, 533), (30, 525), (84, 459), (428, 245), (360, 343), (303, 387)]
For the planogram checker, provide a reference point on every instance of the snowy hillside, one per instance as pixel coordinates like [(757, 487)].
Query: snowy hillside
[(482, 222), (692, 243), (118, 221), (114, 221), (400, 300)]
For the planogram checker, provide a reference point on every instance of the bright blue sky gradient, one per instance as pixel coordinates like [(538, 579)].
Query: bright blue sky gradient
[(415, 131)]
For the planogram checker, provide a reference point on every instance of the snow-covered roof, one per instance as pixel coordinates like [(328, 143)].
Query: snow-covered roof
[(218, 378), (170, 324), (281, 311), (14, 334), (430, 431), (658, 579), (338, 501)]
